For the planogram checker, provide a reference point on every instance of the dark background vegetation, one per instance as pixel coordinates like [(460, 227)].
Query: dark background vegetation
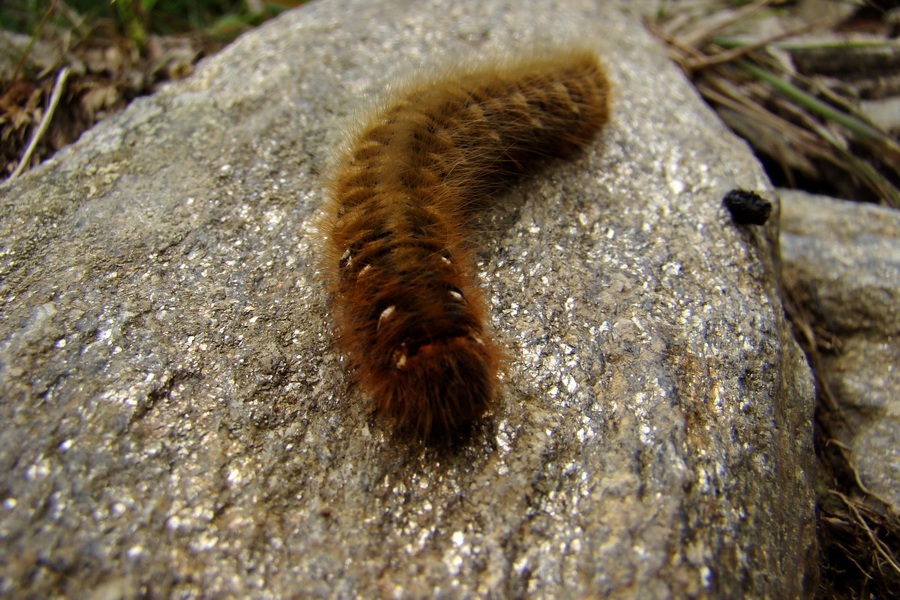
[(99, 54)]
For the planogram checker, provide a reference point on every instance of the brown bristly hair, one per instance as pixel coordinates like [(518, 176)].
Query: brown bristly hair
[(408, 309)]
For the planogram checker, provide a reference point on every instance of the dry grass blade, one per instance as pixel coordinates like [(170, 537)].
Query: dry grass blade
[(34, 37), (816, 106), (703, 34), (45, 121), (810, 342)]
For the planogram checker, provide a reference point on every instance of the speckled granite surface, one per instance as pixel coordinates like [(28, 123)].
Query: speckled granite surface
[(178, 423)]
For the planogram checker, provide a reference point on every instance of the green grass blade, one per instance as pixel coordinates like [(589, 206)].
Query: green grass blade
[(813, 104)]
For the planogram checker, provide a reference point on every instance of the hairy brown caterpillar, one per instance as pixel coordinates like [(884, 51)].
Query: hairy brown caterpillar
[(408, 310)]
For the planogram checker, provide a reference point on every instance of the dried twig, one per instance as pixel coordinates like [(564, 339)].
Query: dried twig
[(880, 546)]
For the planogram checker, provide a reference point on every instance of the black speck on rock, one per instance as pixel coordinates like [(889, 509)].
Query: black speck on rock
[(747, 208)]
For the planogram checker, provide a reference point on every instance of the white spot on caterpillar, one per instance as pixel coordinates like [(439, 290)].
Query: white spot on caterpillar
[(456, 295), (364, 270), (399, 356), (385, 313)]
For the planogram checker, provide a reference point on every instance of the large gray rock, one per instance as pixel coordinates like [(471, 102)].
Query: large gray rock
[(178, 423), (844, 260)]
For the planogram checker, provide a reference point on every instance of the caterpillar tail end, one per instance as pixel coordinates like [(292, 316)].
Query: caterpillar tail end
[(440, 389)]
